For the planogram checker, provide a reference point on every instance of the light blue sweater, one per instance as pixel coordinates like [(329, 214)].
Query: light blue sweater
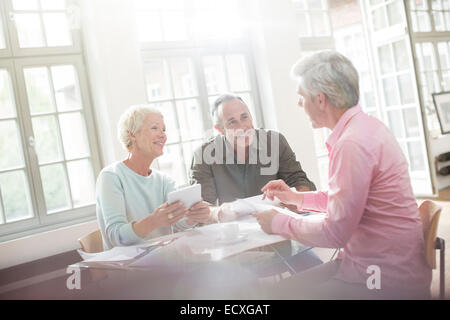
[(123, 196)]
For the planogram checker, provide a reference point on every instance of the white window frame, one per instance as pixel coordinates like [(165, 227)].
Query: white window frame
[(14, 40), (14, 60), (390, 35)]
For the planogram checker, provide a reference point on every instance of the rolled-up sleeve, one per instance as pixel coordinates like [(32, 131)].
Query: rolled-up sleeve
[(118, 231), (290, 169), (201, 173), (349, 183)]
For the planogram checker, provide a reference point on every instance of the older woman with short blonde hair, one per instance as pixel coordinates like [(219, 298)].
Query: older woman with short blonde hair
[(131, 197)]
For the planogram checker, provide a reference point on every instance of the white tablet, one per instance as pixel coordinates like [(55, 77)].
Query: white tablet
[(189, 195)]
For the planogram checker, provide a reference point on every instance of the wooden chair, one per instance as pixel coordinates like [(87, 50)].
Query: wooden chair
[(429, 214), (92, 242)]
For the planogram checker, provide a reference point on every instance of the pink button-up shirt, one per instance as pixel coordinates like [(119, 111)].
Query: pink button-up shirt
[(370, 209)]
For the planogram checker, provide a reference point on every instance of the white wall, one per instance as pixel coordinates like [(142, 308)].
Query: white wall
[(114, 66), (44, 244)]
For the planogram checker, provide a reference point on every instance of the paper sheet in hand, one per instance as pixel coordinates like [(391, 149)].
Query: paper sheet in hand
[(189, 195), (116, 254), (253, 204)]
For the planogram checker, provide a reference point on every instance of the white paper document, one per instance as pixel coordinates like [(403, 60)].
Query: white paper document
[(116, 254)]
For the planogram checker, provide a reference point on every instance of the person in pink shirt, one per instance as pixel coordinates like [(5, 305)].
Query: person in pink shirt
[(369, 209)]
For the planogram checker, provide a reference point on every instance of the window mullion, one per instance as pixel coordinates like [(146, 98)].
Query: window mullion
[(202, 91), (31, 159), (53, 94), (2, 207)]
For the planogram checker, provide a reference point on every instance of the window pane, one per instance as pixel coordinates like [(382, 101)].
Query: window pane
[(218, 20), (48, 143), (6, 96), (82, 183), (401, 55), (74, 135), (214, 74), (447, 20), (299, 4), (190, 118), (411, 122), (249, 102), (57, 29), (303, 25), (395, 123), (237, 72), (67, 92), (148, 26), (436, 4), (53, 4), (416, 157), (10, 146), (432, 82), (446, 4), (446, 80), (319, 23), (390, 92), (188, 152), (444, 55), (406, 88), (15, 195), (379, 19), (38, 90), (54, 183), (314, 4), (424, 21), (394, 11), (419, 4), (2, 36), (170, 121), (25, 4), (157, 80), (429, 61), (174, 26), (439, 23), (385, 57), (29, 30), (172, 163), (183, 77)]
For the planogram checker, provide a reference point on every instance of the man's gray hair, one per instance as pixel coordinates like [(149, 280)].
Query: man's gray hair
[(330, 73), (130, 122), (215, 107)]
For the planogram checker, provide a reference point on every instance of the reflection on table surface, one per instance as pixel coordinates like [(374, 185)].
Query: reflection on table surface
[(196, 265)]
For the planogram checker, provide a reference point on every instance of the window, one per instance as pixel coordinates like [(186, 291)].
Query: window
[(312, 16), (432, 52), (192, 52), (374, 39), (47, 163), (428, 16), (399, 102)]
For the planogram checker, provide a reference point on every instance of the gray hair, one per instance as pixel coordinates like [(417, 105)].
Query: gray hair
[(330, 73), (215, 107), (130, 122)]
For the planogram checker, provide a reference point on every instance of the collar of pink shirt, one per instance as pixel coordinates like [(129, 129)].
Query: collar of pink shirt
[(341, 124)]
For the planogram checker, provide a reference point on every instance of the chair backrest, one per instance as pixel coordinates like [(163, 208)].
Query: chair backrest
[(429, 214), (92, 242)]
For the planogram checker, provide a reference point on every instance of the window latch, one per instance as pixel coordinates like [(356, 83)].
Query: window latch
[(31, 142)]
